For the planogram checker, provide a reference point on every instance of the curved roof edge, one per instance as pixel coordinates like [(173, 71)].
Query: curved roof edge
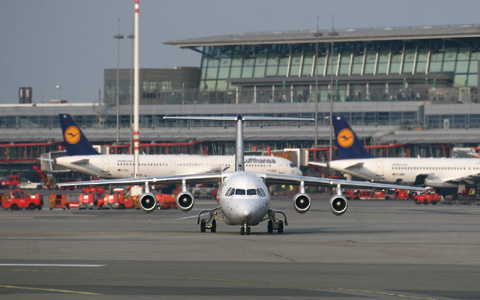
[(343, 35)]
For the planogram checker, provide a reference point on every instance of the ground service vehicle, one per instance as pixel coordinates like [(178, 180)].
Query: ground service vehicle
[(118, 200), (166, 201), (58, 201), (17, 199), (30, 185), (367, 194), (428, 196), (402, 195), (10, 181), (87, 200)]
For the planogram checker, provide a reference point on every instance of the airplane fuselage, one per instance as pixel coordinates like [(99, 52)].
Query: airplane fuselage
[(244, 199), (434, 172), (121, 166)]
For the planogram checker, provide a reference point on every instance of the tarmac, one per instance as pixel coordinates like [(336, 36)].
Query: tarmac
[(378, 250)]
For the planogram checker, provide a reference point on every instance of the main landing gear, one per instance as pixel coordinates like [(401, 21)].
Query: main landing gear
[(210, 222), (274, 223)]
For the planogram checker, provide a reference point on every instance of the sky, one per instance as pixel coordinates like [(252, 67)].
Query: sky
[(69, 43)]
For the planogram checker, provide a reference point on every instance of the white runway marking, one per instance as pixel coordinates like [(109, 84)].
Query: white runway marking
[(51, 265)]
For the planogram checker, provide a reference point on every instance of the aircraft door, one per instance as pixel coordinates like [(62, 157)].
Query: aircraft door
[(379, 168), (281, 169), (106, 165)]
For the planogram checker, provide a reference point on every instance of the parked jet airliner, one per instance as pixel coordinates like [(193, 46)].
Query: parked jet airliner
[(82, 157), (446, 175), (243, 197)]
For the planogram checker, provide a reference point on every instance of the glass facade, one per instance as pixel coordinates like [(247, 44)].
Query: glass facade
[(219, 64)]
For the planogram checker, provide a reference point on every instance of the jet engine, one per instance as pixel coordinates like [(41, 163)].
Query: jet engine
[(148, 202), (301, 202), (338, 205), (185, 201)]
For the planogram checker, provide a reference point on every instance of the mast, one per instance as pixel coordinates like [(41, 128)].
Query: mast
[(136, 100)]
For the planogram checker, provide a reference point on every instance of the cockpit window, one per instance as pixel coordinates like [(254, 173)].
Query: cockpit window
[(251, 192), (261, 192), (239, 192), (230, 192), (292, 165)]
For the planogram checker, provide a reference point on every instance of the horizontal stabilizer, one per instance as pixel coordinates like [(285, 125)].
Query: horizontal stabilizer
[(83, 161), (320, 164)]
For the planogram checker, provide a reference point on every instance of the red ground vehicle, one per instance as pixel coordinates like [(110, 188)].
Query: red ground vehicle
[(91, 197), (367, 194), (166, 201), (57, 201), (10, 181), (428, 196), (402, 195), (17, 199), (118, 200)]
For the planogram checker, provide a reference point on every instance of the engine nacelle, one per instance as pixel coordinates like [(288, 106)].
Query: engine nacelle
[(302, 202), (185, 201), (338, 205), (148, 202)]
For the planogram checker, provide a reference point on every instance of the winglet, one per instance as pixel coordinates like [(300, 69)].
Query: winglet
[(348, 144), (75, 141)]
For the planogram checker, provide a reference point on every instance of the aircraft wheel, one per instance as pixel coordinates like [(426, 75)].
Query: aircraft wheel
[(242, 230), (214, 226), (270, 227), (203, 226), (280, 227), (248, 230)]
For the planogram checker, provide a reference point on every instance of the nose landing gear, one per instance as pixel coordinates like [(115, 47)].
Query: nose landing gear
[(245, 229)]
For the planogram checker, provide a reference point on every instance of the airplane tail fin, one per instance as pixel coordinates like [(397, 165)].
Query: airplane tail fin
[(348, 144), (75, 141)]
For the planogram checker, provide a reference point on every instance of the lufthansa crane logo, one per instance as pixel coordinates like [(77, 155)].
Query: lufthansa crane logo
[(345, 138), (72, 135)]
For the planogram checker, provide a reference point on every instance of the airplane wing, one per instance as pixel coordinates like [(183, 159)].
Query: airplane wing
[(470, 179), (267, 177), (332, 182)]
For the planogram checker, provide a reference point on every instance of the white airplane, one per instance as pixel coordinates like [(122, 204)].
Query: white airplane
[(446, 175), (82, 157), (243, 197)]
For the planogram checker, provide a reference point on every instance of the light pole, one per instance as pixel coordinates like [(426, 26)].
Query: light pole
[(58, 87), (331, 90), (118, 36), (132, 38), (317, 35)]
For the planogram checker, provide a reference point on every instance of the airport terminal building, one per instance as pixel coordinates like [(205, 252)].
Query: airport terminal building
[(413, 86)]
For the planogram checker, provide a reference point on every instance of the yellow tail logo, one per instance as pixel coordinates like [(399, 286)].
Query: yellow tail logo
[(72, 135), (345, 138)]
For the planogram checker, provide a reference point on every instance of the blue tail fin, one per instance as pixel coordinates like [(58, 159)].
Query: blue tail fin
[(348, 144), (75, 141)]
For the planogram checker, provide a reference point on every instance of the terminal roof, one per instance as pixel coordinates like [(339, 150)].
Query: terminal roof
[(325, 36)]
